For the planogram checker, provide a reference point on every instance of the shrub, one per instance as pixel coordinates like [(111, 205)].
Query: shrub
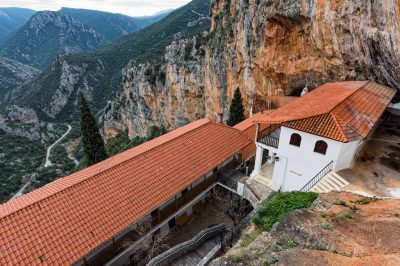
[(326, 226), (354, 208), (341, 203), (271, 261), (345, 216), (290, 243), (249, 237), (279, 206), (324, 215)]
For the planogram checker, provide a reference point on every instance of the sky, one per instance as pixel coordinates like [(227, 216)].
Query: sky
[(127, 7)]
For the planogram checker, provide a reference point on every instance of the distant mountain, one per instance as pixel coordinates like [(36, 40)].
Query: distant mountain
[(48, 34), (99, 73), (11, 19), (13, 75), (110, 25)]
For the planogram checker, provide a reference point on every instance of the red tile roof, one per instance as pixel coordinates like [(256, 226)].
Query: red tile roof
[(70, 217), (343, 111), (248, 128)]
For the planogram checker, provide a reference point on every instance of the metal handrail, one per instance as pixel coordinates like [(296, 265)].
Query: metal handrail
[(270, 141), (317, 177), (165, 257)]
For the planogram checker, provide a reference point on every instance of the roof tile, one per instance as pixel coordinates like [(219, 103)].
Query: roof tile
[(70, 217), (343, 111)]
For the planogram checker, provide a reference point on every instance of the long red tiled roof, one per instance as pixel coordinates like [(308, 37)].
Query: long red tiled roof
[(70, 217), (343, 111)]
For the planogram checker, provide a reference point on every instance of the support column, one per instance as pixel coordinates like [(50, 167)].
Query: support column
[(272, 156), (258, 162)]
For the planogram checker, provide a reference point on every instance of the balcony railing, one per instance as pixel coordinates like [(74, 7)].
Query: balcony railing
[(270, 141), (269, 135)]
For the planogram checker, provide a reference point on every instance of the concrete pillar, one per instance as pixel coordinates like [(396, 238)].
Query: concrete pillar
[(258, 162), (279, 173), (272, 156)]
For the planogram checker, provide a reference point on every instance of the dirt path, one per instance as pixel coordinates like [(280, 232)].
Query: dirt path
[(48, 152)]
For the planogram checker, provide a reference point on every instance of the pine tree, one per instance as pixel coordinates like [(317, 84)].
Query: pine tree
[(236, 112), (93, 143)]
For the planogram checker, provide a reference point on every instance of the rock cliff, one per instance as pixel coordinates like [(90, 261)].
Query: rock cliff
[(264, 48), (13, 75)]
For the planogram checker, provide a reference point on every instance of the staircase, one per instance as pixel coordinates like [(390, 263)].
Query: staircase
[(196, 257), (332, 181)]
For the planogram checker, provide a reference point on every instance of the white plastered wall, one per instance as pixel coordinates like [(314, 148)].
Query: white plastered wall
[(296, 166)]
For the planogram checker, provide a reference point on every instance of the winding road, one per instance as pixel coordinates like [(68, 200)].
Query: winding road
[(48, 152), (46, 164)]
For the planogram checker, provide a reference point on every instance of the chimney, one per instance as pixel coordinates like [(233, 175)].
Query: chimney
[(220, 118), (305, 91)]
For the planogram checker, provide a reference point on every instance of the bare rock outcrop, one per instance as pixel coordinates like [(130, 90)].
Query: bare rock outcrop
[(264, 48), (339, 229)]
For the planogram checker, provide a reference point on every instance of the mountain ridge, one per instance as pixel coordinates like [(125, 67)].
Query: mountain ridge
[(47, 34), (11, 19), (98, 73)]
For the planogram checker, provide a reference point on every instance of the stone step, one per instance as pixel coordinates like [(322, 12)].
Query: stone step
[(263, 180), (332, 181), (195, 257)]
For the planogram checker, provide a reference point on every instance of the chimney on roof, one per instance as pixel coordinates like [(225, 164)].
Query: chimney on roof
[(220, 118)]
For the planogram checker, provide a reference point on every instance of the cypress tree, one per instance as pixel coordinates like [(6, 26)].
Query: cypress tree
[(236, 112), (93, 143)]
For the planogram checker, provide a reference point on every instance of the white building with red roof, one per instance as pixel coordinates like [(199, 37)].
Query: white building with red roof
[(301, 145)]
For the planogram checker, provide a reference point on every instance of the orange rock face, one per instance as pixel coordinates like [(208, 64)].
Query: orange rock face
[(264, 48)]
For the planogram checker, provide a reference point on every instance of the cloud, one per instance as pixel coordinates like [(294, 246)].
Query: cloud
[(128, 7)]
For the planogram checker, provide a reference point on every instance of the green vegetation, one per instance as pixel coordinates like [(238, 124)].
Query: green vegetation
[(122, 142), (18, 157), (326, 226), (365, 200), (249, 237), (111, 26), (279, 206), (344, 216), (341, 203), (324, 215), (354, 208), (238, 257), (236, 112), (45, 176), (93, 143), (155, 73), (271, 261), (102, 68), (290, 243), (59, 157)]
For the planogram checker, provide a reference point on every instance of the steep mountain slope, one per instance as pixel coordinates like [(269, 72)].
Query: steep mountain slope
[(13, 75), (111, 26), (11, 19), (98, 73), (48, 34), (263, 48)]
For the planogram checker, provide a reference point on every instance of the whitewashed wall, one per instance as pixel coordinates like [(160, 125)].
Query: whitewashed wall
[(299, 164)]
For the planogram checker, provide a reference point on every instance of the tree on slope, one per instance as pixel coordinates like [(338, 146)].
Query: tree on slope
[(93, 143), (236, 112)]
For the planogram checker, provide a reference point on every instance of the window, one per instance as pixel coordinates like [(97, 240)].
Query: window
[(321, 147), (185, 191), (172, 223), (295, 140)]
